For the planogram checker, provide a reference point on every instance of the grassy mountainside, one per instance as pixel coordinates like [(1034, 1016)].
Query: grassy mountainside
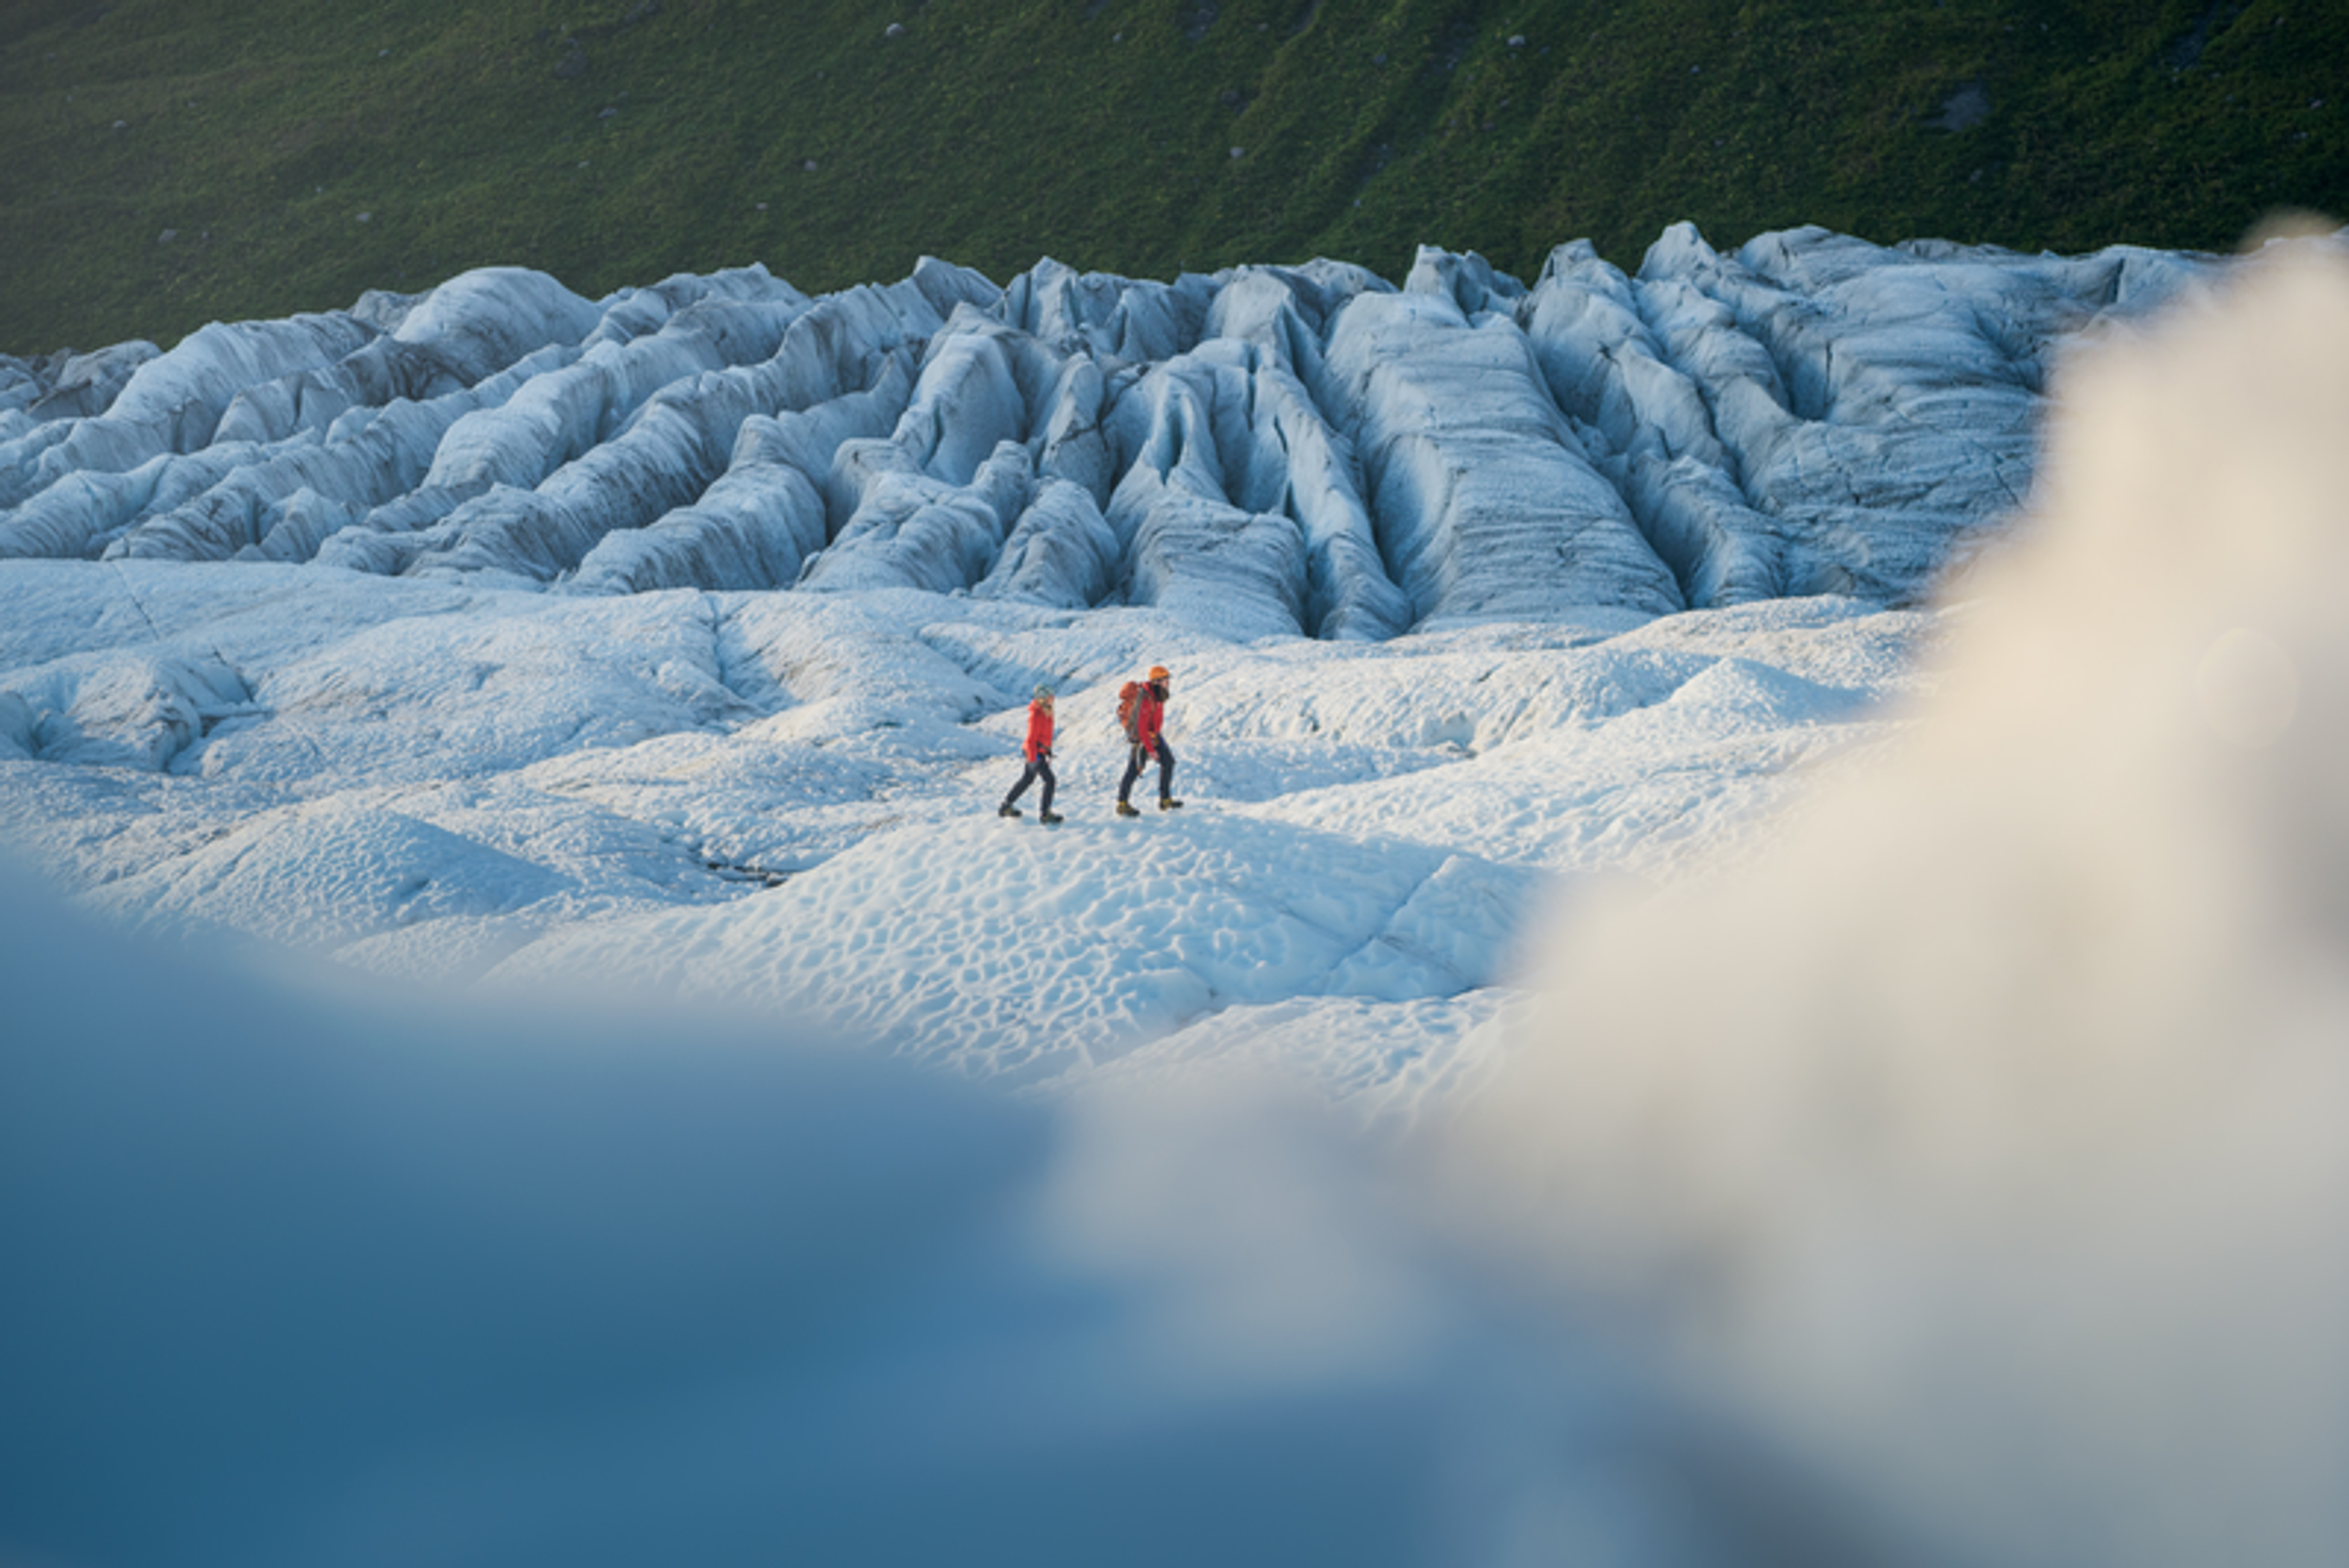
[(172, 161)]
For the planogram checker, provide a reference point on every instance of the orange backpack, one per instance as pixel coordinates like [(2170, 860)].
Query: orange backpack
[(1129, 710)]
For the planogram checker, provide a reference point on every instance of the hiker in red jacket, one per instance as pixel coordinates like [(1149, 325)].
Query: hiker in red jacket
[(1038, 752), (1147, 734)]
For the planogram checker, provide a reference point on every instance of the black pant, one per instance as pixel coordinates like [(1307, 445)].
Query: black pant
[(1041, 768), (1136, 756)]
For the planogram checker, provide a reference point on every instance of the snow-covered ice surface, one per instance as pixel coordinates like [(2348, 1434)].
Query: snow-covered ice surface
[(644, 672), (785, 802), (680, 639)]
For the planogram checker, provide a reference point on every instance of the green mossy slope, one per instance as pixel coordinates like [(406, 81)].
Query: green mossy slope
[(299, 152)]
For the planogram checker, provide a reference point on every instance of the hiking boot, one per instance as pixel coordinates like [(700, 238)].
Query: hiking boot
[(1011, 811), (1047, 817), (1125, 810), (1168, 803)]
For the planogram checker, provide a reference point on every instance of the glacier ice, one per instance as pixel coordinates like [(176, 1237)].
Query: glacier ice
[(1269, 451), (1485, 501)]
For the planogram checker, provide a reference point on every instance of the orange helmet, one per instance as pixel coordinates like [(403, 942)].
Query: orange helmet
[(1158, 672)]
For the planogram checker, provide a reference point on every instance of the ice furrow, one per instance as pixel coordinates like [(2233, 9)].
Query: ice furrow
[(1483, 503)]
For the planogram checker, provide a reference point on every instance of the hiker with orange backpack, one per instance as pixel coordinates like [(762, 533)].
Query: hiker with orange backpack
[(1142, 709), (1038, 752)]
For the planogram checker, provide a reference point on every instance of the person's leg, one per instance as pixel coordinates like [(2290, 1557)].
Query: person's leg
[(1021, 788), (1165, 769), (1133, 772), (1043, 770)]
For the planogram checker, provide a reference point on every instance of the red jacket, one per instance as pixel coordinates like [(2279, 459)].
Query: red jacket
[(1149, 715), (1040, 731)]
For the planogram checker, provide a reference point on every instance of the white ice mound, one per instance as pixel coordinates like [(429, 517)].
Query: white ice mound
[(1269, 451), (1024, 955), (317, 878)]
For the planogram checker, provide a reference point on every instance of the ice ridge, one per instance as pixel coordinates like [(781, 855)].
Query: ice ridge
[(1263, 451)]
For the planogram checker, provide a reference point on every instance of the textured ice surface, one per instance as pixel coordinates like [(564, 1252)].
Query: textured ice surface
[(682, 637), (1274, 450), (785, 800)]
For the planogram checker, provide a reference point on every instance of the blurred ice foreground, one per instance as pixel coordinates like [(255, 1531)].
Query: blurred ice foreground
[(1990, 1142)]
